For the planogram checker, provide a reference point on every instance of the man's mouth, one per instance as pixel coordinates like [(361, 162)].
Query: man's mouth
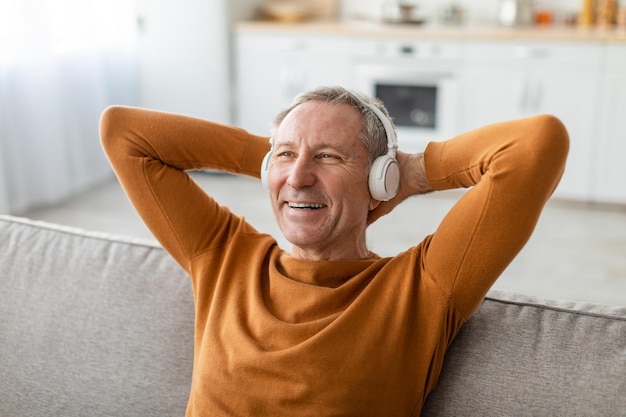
[(306, 206)]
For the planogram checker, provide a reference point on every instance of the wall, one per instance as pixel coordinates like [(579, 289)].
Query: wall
[(246, 9)]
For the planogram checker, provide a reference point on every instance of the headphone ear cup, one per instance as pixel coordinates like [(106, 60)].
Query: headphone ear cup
[(384, 179), (265, 170)]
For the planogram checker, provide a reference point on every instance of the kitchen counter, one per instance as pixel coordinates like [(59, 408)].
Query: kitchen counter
[(435, 31)]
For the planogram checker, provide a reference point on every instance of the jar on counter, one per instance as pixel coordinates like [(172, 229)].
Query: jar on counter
[(515, 12), (606, 12), (621, 15)]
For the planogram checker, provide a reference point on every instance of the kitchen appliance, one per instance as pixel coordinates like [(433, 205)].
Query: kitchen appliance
[(418, 83), (515, 12), (452, 14), (401, 13)]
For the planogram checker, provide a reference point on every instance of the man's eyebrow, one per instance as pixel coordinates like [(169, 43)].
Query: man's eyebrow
[(320, 145)]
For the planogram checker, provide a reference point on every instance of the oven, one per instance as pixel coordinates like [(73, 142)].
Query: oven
[(418, 82)]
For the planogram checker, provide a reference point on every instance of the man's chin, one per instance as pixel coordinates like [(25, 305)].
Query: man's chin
[(302, 238)]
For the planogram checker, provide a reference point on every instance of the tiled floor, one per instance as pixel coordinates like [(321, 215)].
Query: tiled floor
[(577, 252)]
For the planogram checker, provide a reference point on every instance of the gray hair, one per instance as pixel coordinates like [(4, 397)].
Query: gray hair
[(372, 132)]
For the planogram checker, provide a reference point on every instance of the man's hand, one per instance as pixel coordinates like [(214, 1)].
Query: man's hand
[(412, 182)]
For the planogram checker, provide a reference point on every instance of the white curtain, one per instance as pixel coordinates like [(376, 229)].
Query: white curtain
[(61, 63)]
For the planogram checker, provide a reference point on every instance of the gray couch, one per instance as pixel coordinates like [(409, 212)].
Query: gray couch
[(92, 325)]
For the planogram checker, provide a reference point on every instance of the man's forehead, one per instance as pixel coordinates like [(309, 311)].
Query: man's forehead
[(319, 110), (320, 123)]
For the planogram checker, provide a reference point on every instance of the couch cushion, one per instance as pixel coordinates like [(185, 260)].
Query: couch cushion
[(91, 325), (521, 356)]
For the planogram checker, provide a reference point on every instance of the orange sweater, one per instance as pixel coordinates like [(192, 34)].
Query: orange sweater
[(278, 336)]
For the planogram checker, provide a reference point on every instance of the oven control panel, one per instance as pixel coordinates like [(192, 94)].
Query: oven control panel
[(408, 49)]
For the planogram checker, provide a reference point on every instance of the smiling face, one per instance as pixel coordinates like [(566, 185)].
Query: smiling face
[(318, 182)]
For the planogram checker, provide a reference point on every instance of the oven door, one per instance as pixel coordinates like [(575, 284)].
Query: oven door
[(422, 103)]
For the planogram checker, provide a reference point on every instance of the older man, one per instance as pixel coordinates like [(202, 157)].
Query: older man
[(330, 328)]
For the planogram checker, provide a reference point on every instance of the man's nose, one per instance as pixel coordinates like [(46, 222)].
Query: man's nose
[(302, 173)]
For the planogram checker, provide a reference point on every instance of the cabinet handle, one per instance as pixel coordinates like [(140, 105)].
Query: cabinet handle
[(530, 52), (293, 78), (537, 96), (531, 95), (524, 96), (289, 83)]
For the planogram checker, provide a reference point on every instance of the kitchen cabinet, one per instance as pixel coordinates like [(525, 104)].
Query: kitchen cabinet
[(508, 80), (273, 69), (610, 166)]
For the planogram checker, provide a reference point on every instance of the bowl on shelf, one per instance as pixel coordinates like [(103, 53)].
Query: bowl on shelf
[(286, 11)]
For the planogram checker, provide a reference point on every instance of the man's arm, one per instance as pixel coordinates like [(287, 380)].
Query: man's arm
[(513, 168), (150, 152)]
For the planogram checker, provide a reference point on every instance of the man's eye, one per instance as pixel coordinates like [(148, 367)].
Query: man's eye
[(327, 156)]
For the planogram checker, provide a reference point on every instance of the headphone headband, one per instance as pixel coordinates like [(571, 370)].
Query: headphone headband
[(392, 140)]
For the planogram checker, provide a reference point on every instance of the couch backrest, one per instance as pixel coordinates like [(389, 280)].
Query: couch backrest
[(520, 356), (91, 325)]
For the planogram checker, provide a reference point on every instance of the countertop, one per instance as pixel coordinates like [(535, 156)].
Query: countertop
[(434, 31)]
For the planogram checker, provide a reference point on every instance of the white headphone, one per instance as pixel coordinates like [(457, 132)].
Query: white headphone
[(384, 176)]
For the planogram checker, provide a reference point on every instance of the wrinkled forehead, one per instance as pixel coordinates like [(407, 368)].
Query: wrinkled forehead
[(320, 122)]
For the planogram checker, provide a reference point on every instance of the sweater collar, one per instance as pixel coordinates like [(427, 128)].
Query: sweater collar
[(323, 273)]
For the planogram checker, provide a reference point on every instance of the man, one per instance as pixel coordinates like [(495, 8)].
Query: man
[(330, 328)]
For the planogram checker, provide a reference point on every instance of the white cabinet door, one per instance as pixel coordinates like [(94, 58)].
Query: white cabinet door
[(260, 93), (610, 182), (491, 95), (572, 96), (184, 57), (505, 80), (273, 69)]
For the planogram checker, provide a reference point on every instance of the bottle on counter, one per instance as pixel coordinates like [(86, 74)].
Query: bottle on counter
[(606, 12), (515, 12), (586, 17), (621, 15)]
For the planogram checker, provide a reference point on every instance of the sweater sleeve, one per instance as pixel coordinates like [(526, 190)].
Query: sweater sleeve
[(513, 168), (150, 152)]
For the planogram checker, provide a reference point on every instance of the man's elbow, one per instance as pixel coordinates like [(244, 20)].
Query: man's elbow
[(553, 137), (546, 145), (547, 153), (111, 120)]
